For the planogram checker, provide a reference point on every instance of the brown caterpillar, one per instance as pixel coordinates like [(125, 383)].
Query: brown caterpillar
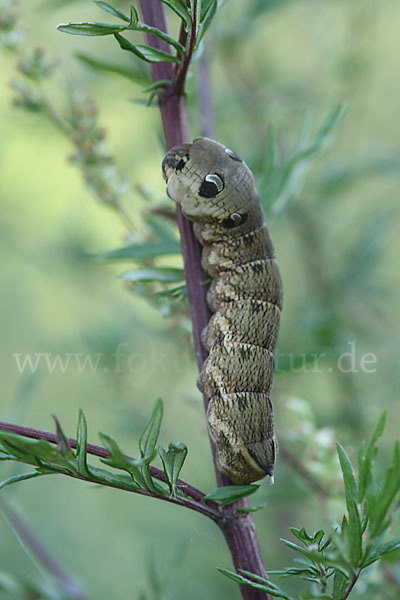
[(216, 190)]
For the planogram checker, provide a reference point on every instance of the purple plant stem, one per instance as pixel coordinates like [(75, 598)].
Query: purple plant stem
[(240, 534), (189, 490)]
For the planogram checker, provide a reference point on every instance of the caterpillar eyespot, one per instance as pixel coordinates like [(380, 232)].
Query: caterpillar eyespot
[(212, 185), (245, 297), (233, 154), (234, 220)]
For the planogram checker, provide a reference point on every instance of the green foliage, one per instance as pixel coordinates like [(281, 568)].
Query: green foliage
[(283, 180), (334, 563), (230, 494), (49, 459), (173, 460)]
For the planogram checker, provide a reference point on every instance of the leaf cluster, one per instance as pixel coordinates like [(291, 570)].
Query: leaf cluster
[(333, 563), (130, 474), (195, 16)]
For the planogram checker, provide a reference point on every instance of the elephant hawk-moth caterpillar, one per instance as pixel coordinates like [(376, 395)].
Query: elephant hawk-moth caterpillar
[(216, 191)]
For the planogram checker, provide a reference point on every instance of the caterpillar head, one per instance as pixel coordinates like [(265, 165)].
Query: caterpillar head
[(212, 184)]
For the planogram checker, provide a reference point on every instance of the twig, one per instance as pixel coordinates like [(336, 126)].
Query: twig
[(38, 550), (194, 502), (301, 470)]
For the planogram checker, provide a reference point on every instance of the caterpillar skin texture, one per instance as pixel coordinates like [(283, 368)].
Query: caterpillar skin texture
[(216, 190)]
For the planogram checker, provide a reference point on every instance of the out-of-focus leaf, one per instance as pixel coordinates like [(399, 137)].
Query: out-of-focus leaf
[(245, 510), (366, 457), (339, 586), (112, 10), (283, 181), (22, 477), (351, 492), (140, 77), (142, 251), (385, 497), (388, 548), (160, 274)]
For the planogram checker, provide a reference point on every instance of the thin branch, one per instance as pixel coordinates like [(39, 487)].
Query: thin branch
[(29, 540), (301, 470), (194, 502)]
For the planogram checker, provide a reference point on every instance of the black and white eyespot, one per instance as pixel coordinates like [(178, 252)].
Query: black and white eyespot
[(233, 155), (212, 185), (234, 220)]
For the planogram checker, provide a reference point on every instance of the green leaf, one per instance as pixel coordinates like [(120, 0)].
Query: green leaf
[(390, 488), (172, 461), (81, 445), (148, 439), (231, 493), (208, 12), (265, 586), (351, 493), (366, 457), (146, 53), (178, 291), (112, 10), (22, 477), (246, 510), (62, 441), (181, 10), (340, 583), (91, 28), (282, 181), (136, 25), (139, 76), (119, 460), (388, 548), (142, 251), (160, 274)]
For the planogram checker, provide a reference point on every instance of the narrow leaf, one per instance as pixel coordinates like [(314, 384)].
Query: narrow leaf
[(91, 28), (138, 76), (62, 441), (81, 445), (148, 439), (160, 274), (231, 493), (22, 477), (146, 53), (351, 493), (112, 10), (181, 10), (388, 548), (172, 461), (267, 586), (118, 460), (142, 251)]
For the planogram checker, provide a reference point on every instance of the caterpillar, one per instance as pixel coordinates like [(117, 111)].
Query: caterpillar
[(216, 191)]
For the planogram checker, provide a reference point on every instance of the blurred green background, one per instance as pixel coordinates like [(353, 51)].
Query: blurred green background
[(280, 64)]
